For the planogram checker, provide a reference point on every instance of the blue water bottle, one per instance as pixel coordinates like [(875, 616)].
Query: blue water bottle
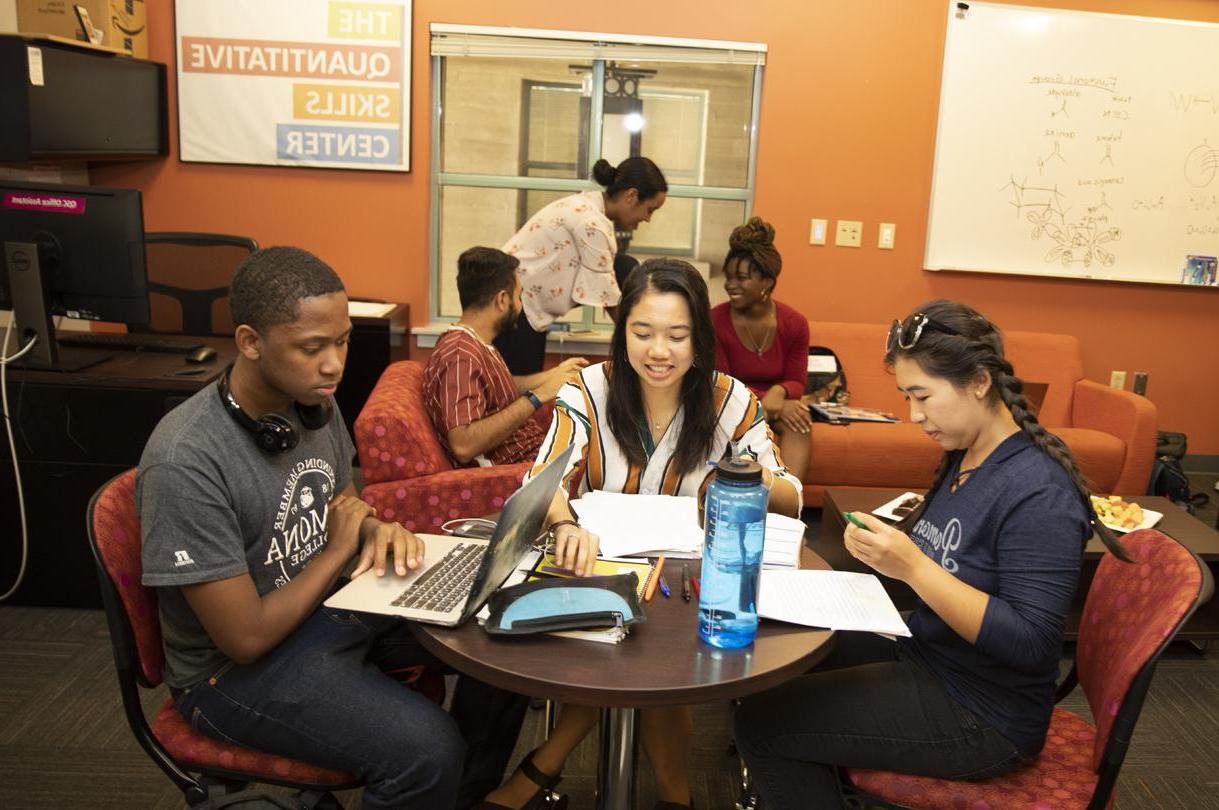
[(732, 554)]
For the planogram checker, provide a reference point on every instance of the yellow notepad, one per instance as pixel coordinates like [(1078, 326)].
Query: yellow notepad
[(547, 566)]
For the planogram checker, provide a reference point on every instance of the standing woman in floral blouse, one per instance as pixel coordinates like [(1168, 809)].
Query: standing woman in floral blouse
[(567, 250)]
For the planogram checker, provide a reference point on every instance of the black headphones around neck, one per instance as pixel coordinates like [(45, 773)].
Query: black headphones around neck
[(272, 432)]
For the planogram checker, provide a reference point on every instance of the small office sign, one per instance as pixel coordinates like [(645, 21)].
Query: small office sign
[(323, 83), (55, 203)]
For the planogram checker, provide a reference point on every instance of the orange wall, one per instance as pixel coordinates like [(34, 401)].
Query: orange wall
[(847, 132)]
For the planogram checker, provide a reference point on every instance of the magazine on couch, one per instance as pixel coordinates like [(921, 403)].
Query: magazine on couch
[(831, 412)]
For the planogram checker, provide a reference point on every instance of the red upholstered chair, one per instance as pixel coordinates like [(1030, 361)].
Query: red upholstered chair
[(135, 636), (408, 476), (1131, 614)]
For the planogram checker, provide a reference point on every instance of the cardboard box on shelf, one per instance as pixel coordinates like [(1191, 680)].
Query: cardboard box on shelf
[(120, 23), (8, 17)]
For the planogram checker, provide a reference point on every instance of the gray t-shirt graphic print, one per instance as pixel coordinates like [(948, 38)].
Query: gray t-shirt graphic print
[(214, 506)]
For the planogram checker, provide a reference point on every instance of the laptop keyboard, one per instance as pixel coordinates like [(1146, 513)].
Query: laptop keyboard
[(447, 583)]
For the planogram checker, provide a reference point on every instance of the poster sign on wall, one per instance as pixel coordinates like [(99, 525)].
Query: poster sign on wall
[(322, 83)]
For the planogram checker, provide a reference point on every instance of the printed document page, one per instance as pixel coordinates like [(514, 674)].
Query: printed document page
[(631, 525), (637, 525), (838, 600)]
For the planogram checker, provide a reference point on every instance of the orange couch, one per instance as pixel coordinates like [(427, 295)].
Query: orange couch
[(1112, 433)]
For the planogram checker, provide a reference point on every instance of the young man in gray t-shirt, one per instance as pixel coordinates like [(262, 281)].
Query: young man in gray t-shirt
[(249, 517)]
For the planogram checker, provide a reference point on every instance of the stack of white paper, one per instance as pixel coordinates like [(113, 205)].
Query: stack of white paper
[(838, 600), (369, 309), (637, 525), (648, 525), (784, 537)]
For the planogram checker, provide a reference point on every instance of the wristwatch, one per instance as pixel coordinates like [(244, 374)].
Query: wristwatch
[(533, 399)]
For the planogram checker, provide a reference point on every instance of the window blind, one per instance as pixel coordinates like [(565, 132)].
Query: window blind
[(482, 41)]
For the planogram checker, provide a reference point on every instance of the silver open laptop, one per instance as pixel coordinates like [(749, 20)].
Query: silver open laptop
[(459, 573)]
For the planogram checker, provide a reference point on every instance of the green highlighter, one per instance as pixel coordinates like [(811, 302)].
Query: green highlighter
[(851, 517)]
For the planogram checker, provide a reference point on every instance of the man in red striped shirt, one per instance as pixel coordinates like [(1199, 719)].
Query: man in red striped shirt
[(479, 410)]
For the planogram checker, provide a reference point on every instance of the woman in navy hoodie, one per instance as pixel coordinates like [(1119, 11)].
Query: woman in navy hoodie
[(993, 554)]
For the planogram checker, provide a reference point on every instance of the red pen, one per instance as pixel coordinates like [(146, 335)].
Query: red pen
[(694, 582)]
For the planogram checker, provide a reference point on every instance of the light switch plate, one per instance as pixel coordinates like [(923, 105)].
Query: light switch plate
[(886, 235), (816, 231)]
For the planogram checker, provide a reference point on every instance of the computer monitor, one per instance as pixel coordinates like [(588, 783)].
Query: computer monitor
[(75, 251)]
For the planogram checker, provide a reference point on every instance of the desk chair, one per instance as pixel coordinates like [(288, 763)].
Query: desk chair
[(1131, 615), (188, 281), (135, 637)]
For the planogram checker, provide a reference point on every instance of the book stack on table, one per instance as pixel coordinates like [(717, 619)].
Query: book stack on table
[(784, 536)]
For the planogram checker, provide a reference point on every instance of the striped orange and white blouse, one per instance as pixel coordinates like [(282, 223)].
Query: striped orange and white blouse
[(580, 419)]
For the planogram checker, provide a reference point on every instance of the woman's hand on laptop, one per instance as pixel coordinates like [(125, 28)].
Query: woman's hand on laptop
[(575, 547), (380, 539)]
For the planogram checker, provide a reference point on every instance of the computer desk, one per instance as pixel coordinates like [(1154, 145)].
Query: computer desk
[(75, 431), (661, 663)]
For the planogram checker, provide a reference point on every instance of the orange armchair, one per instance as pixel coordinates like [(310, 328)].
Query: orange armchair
[(408, 476)]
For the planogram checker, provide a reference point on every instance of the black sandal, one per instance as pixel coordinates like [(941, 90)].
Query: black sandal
[(544, 799)]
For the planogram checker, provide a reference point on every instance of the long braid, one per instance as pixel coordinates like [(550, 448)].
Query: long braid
[(1010, 389)]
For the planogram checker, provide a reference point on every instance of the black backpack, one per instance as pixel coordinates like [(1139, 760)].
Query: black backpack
[(1168, 477)]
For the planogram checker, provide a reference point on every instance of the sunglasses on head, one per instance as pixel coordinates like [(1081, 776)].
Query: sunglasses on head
[(905, 334)]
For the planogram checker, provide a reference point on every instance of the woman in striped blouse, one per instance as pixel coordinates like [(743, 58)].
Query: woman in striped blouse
[(647, 421)]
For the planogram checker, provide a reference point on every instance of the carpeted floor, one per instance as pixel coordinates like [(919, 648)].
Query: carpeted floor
[(64, 742)]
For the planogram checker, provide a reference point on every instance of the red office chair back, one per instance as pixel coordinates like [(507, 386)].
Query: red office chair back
[(115, 534), (135, 636), (1131, 613)]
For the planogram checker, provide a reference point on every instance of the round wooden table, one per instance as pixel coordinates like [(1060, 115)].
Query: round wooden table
[(663, 662)]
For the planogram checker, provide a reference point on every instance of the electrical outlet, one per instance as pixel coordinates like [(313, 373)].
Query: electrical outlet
[(1140, 383), (1117, 379), (816, 232), (849, 232), (886, 236)]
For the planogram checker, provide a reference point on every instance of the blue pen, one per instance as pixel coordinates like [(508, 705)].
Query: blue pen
[(664, 587)]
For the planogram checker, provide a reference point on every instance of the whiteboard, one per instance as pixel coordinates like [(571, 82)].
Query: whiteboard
[(1076, 144)]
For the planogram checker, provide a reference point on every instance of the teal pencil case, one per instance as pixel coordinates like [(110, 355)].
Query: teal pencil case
[(546, 605)]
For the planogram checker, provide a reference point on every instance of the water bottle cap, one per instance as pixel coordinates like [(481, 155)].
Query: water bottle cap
[(739, 469)]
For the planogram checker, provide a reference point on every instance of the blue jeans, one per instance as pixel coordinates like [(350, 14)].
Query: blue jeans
[(864, 708), (322, 696)]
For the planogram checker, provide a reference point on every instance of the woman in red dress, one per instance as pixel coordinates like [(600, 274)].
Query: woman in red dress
[(764, 343)]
